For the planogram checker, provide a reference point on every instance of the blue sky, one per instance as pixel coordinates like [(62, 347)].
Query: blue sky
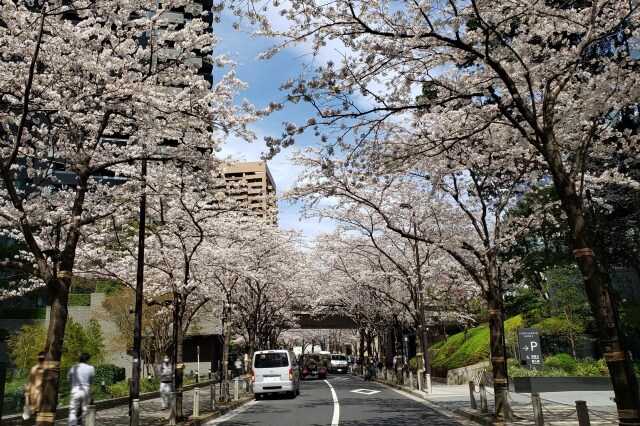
[(264, 78)]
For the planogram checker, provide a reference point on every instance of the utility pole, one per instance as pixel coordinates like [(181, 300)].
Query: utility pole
[(134, 390), (226, 319)]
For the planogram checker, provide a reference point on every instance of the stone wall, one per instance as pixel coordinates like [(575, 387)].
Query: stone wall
[(463, 375)]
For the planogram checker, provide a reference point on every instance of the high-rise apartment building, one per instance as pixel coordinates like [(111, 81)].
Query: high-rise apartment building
[(255, 189)]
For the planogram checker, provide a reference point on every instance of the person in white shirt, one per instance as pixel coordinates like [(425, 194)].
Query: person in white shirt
[(81, 377), (166, 379)]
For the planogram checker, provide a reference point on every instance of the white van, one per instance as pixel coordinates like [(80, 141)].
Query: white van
[(275, 371)]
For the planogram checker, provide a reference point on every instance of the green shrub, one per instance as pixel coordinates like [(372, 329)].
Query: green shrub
[(23, 313), (564, 362), (118, 389), (147, 385), (13, 393), (108, 286), (109, 374), (515, 369), (561, 365), (79, 299), (121, 388), (591, 368)]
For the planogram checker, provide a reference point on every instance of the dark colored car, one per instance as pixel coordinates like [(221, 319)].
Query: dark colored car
[(314, 365)]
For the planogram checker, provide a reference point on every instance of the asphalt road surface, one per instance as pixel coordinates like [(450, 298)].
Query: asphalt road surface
[(339, 400)]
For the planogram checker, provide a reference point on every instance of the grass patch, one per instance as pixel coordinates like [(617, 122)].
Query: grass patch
[(458, 351)]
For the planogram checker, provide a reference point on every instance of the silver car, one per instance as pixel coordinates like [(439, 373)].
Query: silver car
[(275, 371)]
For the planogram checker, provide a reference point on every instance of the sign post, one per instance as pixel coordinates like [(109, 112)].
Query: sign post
[(529, 348)]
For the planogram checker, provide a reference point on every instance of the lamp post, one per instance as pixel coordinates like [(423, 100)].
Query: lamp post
[(421, 337), (226, 326), (134, 390)]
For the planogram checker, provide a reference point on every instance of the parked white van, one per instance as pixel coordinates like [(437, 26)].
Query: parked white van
[(275, 371)]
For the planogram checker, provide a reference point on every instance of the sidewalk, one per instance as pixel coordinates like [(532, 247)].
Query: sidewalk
[(558, 408), (151, 413)]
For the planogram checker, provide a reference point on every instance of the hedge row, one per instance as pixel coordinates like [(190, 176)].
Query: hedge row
[(23, 313), (79, 299)]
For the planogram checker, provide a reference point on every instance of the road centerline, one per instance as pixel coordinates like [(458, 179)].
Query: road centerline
[(336, 405)]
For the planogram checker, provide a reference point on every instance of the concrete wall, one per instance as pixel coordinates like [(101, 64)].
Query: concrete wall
[(461, 376), (115, 354), (209, 329)]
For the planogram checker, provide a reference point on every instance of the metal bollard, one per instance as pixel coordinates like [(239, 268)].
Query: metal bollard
[(135, 412), (196, 402), (472, 397), (172, 409), (583, 413), (537, 409), (506, 407), (91, 415), (212, 396), (236, 389), (483, 399)]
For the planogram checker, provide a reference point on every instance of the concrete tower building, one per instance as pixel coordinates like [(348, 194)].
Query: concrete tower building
[(256, 189)]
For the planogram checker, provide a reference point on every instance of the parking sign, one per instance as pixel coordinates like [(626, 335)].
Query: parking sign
[(529, 348)]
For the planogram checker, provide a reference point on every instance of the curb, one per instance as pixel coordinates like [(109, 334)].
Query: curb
[(482, 419), (204, 418), (62, 412)]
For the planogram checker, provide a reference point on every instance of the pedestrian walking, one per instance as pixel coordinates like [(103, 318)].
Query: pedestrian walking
[(238, 367), (81, 377), (166, 379), (33, 389)]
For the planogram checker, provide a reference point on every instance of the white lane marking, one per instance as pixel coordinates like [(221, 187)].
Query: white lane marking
[(336, 405), (365, 391), (434, 406), (232, 414)]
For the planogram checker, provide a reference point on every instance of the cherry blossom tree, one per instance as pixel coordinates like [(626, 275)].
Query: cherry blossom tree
[(84, 93), (559, 75), (387, 275), (187, 204), (461, 215), (258, 271)]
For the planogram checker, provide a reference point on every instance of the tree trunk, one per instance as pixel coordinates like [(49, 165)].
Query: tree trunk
[(178, 337), (59, 292), (496, 342), (369, 344), (361, 349), (610, 335)]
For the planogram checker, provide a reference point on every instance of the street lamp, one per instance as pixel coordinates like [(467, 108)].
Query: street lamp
[(422, 330), (226, 327)]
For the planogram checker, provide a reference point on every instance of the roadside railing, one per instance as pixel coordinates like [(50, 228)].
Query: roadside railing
[(533, 408)]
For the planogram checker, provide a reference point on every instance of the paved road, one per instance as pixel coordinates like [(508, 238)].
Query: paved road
[(340, 400)]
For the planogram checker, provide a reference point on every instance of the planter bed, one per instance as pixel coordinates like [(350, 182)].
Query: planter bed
[(560, 384)]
